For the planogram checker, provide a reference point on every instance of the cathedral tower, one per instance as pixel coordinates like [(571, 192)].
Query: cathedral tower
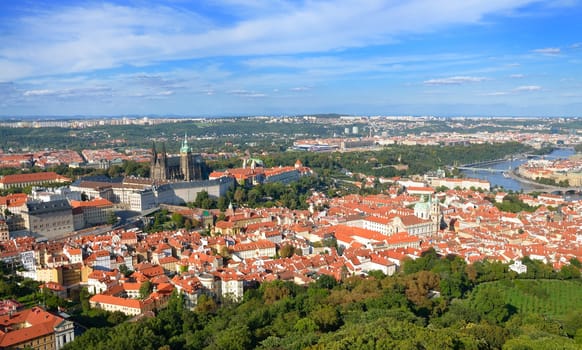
[(186, 161)]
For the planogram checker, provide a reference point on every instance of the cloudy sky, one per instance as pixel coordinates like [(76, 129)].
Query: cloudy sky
[(280, 57)]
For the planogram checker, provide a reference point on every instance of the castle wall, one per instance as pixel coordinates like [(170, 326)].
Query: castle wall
[(184, 192)]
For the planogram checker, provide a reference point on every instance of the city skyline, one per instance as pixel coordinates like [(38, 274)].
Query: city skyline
[(234, 57)]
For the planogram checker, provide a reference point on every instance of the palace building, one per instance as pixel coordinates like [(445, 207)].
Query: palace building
[(185, 167)]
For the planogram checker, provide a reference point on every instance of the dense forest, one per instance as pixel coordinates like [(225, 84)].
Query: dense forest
[(434, 303)]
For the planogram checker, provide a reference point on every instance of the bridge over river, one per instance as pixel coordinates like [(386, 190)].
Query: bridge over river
[(502, 172), (472, 168)]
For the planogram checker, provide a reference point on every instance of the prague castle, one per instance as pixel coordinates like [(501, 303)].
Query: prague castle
[(185, 167)]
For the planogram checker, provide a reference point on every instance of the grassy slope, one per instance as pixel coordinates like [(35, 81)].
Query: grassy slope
[(552, 298)]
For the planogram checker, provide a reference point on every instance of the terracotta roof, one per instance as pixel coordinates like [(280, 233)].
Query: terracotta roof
[(97, 202), (41, 323), (14, 200), (111, 300), (46, 176)]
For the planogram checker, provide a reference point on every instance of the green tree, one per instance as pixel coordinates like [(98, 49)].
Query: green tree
[(116, 317), (145, 289), (490, 303), (327, 318), (111, 217), (234, 338), (325, 282), (575, 262), (124, 270), (569, 272), (84, 297), (178, 220)]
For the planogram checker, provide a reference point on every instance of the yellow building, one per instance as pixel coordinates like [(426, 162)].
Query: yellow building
[(36, 329)]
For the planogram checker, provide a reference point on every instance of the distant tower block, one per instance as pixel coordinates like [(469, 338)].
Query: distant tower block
[(347, 131), (355, 130)]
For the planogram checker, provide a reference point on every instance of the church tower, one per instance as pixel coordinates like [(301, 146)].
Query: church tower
[(186, 161), (158, 169), (435, 210)]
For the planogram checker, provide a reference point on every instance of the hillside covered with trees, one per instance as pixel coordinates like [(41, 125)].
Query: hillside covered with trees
[(434, 303)]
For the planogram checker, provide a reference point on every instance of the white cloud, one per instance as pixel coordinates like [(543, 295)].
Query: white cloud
[(549, 51), (246, 93), (82, 38), (165, 93), (71, 92), (516, 76), (496, 93), (527, 88), (43, 92), (455, 80), (300, 89)]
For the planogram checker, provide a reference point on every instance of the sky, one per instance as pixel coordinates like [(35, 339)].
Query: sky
[(282, 57)]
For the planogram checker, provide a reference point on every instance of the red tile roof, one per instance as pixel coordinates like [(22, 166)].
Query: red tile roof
[(41, 323), (45, 176)]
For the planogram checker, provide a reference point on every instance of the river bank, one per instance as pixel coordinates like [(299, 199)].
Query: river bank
[(506, 180)]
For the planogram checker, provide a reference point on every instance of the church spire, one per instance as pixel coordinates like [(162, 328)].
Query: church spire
[(185, 148)]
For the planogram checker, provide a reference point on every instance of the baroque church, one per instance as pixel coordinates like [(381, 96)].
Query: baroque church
[(429, 210), (185, 167)]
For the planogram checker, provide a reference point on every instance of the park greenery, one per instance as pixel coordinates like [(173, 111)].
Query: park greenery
[(511, 203), (435, 302)]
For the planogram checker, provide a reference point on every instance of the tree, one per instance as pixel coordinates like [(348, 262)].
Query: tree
[(419, 285), (286, 251), (575, 262), (222, 203), (116, 317), (273, 291), (569, 272), (125, 270), (145, 289), (205, 304), (325, 281), (327, 318), (491, 305), (239, 195), (178, 220), (111, 217), (234, 338), (188, 224), (84, 298)]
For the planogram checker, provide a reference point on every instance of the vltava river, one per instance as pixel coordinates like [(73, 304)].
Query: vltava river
[(497, 179)]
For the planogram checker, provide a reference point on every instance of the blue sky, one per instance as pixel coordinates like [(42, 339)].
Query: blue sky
[(279, 57)]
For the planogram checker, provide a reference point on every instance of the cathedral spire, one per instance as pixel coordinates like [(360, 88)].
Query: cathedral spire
[(185, 148)]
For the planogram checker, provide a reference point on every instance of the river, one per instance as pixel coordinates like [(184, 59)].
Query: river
[(497, 178)]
